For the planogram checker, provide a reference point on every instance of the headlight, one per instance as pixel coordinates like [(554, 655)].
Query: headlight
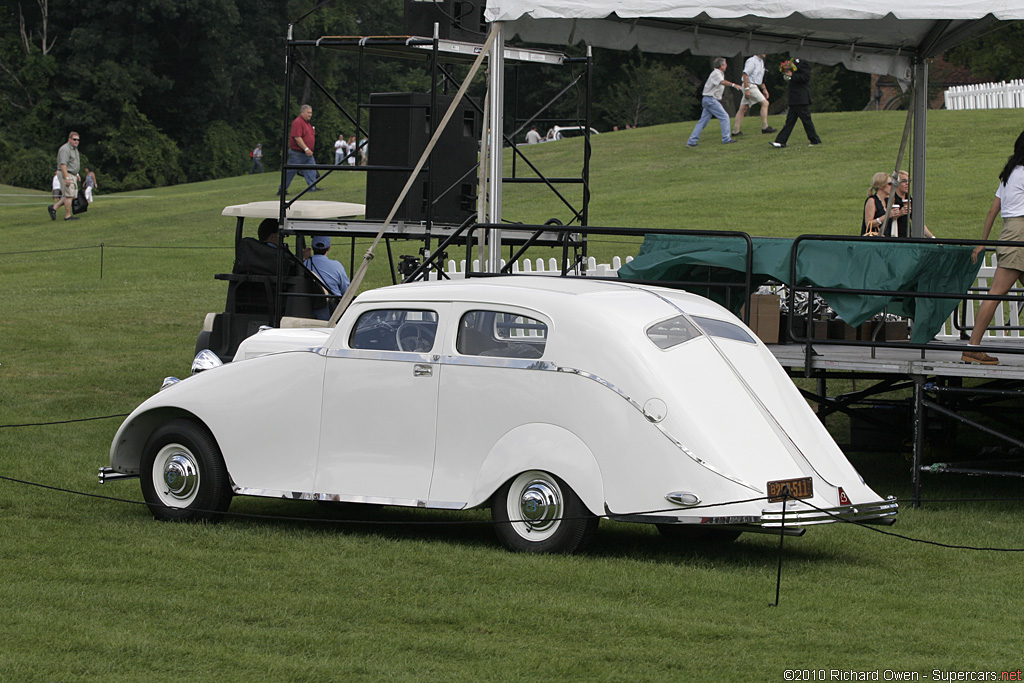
[(205, 360)]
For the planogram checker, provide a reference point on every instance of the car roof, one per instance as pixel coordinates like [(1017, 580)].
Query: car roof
[(547, 294)]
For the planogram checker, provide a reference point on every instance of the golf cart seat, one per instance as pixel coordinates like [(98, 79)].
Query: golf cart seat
[(253, 294)]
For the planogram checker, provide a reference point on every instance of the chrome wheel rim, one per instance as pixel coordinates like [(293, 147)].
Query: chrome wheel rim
[(535, 505), (176, 475)]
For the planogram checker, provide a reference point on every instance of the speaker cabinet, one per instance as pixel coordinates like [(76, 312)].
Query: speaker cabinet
[(461, 20), (400, 128)]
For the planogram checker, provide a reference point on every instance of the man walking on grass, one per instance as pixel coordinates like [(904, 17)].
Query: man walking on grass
[(799, 99), (754, 92), (67, 172), (301, 139), (711, 105)]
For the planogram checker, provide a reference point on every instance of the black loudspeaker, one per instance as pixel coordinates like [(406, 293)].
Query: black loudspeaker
[(400, 128), (461, 20)]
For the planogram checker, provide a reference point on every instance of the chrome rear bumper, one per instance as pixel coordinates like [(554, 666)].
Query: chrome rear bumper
[(798, 513)]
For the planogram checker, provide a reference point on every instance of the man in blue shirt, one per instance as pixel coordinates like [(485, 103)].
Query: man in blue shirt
[(331, 273)]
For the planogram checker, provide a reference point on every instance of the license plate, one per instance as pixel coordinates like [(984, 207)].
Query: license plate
[(790, 489)]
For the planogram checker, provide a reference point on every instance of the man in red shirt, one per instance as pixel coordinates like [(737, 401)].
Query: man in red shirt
[(301, 139)]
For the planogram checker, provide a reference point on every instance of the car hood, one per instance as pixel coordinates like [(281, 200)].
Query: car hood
[(279, 340)]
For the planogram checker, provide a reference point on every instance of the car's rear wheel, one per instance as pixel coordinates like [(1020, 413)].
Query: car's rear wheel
[(537, 512), (693, 533), (183, 474)]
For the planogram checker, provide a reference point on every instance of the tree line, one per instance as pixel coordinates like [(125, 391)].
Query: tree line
[(172, 91)]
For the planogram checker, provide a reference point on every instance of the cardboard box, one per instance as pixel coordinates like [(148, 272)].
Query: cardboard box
[(896, 330), (838, 329), (764, 317), (866, 331), (883, 330), (819, 328)]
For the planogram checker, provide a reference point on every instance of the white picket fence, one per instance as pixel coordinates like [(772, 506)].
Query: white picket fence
[(986, 96), (456, 270), (1007, 315)]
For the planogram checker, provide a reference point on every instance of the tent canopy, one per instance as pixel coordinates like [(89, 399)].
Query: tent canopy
[(871, 36)]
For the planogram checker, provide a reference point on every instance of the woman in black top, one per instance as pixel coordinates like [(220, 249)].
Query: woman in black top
[(874, 206)]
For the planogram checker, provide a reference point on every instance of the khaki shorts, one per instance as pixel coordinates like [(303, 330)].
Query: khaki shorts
[(70, 188), (1011, 257), (753, 96)]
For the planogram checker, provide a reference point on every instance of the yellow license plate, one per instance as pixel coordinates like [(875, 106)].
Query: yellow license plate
[(790, 489)]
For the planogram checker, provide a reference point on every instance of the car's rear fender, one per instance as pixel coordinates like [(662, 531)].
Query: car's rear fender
[(540, 446)]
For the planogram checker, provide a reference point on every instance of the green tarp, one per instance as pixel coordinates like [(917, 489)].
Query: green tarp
[(875, 264)]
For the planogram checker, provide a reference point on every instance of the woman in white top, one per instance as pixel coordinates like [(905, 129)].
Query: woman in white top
[(1009, 203)]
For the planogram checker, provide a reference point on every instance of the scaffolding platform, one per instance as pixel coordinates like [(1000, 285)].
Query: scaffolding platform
[(940, 396)]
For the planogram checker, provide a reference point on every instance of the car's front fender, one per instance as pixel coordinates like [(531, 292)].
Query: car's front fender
[(127, 446), (546, 447)]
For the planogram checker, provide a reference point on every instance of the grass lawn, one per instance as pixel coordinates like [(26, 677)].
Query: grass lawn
[(95, 590)]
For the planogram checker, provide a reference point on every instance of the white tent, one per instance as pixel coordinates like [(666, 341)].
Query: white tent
[(873, 36)]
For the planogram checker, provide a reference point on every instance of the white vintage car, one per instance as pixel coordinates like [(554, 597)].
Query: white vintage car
[(552, 401)]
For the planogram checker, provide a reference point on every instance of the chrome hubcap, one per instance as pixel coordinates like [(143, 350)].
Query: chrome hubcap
[(180, 475), (539, 505)]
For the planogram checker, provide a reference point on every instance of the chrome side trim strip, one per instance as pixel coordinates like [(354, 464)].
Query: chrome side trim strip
[(365, 354), (340, 498), (549, 366), (685, 519), (530, 364), (770, 417)]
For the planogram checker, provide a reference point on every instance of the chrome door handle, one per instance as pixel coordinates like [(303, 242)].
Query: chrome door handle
[(421, 370)]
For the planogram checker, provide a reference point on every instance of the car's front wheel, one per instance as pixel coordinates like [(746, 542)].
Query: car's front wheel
[(183, 474), (537, 512)]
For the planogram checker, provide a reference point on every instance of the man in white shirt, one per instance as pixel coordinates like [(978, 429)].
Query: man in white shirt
[(533, 137), (340, 150), (754, 92), (711, 105)]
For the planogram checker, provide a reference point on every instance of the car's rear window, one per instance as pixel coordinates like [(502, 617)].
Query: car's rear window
[(721, 328), (675, 331), (501, 334), (672, 332)]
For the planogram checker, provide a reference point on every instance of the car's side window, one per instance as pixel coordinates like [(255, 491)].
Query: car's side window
[(394, 329), (506, 335)]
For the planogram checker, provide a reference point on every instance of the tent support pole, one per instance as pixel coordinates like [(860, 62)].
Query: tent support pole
[(496, 95), (920, 104)]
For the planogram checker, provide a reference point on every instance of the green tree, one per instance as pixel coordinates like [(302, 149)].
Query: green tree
[(995, 54), (649, 94), (136, 153)]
